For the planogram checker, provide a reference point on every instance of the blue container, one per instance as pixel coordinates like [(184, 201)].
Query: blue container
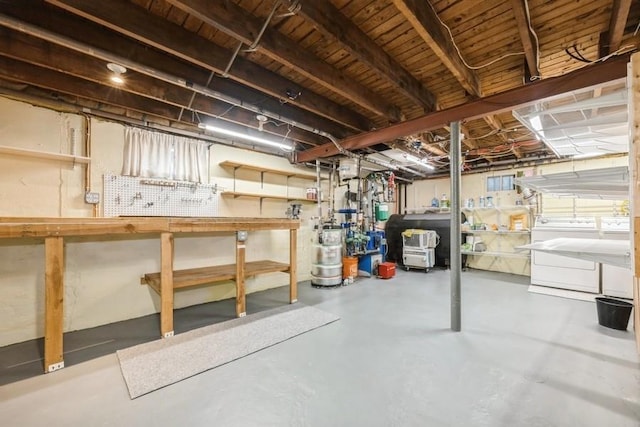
[(369, 263), (375, 240)]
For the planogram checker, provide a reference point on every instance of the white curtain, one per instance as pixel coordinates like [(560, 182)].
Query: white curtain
[(161, 155)]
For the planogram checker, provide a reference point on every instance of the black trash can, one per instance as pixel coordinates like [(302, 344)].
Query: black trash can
[(613, 313)]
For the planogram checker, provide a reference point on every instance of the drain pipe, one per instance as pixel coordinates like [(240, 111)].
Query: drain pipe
[(67, 42)]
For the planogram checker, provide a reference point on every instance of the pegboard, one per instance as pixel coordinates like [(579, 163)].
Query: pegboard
[(133, 196)]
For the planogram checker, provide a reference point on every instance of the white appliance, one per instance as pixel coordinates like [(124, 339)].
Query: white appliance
[(616, 281), (418, 248), (424, 259), (562, 272)]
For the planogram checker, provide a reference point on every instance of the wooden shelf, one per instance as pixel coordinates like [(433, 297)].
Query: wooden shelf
[(215, 274), (44, 155), (236, 194), (497, 254), (509, 208), (523, 232), (288, 174)]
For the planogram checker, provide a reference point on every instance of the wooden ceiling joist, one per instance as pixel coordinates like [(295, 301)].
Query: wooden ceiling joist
[(135, 22), (495, 122), (60, 82), (69, 69), (597, 73), (619, 14), (426, 23), (151, 60), (526, 36), (329, 21), (236, 22)]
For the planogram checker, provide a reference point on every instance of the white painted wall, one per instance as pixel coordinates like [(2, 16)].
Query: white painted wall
[(102, 282)]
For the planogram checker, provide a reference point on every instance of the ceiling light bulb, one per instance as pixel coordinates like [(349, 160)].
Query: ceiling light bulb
[(117, 71), (116, 68)]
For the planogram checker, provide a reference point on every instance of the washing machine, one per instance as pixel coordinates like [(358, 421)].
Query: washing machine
[(556, 271), (616, 281)]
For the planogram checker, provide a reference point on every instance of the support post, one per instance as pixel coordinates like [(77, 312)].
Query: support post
[(241, 309), (456, 257), (634, 156), (166, 285), (293, 279), (54, 303)]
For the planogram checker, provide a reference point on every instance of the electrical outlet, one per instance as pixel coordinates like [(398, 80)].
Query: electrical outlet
[(92, 197)]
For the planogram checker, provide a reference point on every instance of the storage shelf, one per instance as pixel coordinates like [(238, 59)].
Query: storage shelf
[(523, 232), (288, 174), (509, 208), (497, 254), (607, 184), (44, 155), (236, 194)]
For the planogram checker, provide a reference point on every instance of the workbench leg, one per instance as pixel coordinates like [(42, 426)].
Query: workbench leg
[(293, 263), (53, 303), (166, 285), (241, 309)]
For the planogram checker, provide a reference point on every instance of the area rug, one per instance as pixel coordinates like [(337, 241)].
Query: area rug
[(150, 366)]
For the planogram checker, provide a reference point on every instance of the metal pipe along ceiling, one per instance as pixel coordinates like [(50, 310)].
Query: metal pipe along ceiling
[(49, 36)]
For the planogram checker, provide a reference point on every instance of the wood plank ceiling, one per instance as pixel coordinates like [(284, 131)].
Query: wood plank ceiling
[(317, 69)]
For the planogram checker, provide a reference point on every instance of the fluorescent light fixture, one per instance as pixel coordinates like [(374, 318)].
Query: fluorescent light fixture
[(587, 155), (419, 162), (232, 133), (381, 162)]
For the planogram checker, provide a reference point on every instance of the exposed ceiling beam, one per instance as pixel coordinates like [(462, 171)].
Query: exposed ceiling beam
[(471, 143), (40, 53), (496, 124), (133, 21), (60, 60), (238, 23), (619, 15), (59, 82), (427, 24), (529, 44), (597, 73), (332, 24), (48, 19)]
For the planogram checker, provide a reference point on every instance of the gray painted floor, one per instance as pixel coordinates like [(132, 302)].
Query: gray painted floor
[(522, 359)]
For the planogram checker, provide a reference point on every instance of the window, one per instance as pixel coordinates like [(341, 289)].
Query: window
[(500, 183), (161, 155)]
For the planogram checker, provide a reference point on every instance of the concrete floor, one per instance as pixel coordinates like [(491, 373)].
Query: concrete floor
[(522, 359)]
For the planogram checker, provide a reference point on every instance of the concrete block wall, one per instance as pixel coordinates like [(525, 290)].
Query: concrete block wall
[(102, 282)]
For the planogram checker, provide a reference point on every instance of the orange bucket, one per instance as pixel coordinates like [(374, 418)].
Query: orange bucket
[(349, 267)]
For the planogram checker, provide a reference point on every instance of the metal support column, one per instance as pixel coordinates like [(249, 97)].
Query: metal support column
[(456, 257)]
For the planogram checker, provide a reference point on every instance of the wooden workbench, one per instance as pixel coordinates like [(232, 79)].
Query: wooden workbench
[(54, 230)]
